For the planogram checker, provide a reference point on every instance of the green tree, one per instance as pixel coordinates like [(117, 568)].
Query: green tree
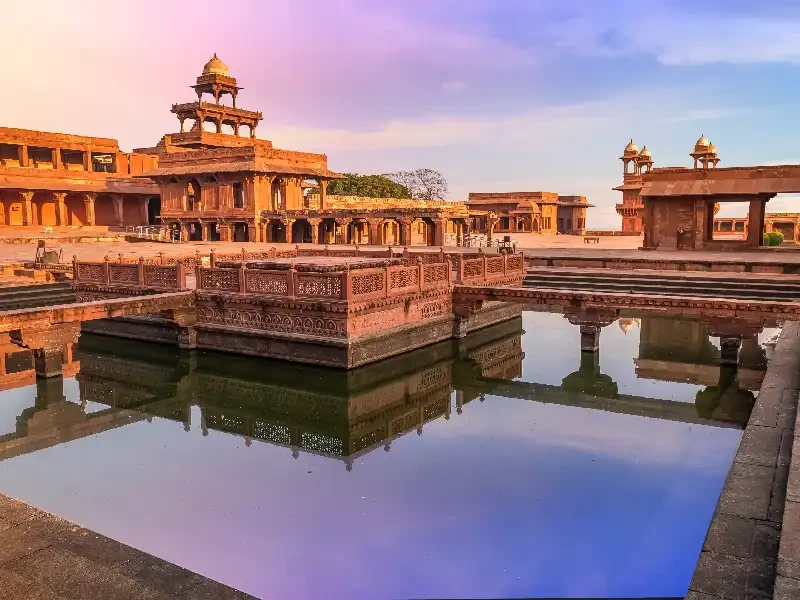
[(367, 186)]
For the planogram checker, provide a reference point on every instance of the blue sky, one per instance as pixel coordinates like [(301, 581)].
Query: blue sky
[(496, 94)]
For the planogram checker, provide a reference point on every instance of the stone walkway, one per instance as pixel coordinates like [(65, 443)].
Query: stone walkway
[(740, 556), (43, 557)]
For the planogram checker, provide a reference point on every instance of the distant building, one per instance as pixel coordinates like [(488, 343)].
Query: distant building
[(527, 212)]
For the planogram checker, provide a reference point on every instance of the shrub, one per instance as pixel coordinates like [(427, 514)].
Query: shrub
[(773, 238)]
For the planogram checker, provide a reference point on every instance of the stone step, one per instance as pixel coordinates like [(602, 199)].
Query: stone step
[(779, 286), (29, 290), (50, 300), (777, 281), (623, 286)]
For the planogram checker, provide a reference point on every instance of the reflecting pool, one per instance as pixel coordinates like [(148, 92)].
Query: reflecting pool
[(507, 464)]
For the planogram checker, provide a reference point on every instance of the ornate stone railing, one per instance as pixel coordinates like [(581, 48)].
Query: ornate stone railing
[(487, 269), (130, 275), (339, 282)]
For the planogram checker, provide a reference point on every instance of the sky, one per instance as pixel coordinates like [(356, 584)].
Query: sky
[(498, 95)]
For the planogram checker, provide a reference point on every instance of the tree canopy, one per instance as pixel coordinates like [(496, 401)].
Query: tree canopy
[(424, 184), (368, 186)]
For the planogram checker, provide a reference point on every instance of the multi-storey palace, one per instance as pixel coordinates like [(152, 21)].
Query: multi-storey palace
[(214, 180)]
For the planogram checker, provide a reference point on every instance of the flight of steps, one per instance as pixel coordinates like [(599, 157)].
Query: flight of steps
[(784, 288), (32, 296)]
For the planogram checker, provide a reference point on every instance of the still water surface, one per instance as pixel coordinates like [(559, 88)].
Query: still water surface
[(511, 466)]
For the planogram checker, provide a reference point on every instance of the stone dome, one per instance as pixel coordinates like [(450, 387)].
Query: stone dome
[(631, 148), (702, 144), (216, 67), (645, 153), (712, 149)]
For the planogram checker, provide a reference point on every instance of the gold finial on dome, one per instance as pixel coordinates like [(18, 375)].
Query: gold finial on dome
[(216, 67), (631, 148), (645, 153)]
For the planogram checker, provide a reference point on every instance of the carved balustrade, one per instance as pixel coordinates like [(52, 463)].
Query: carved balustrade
[(348, 284), (487, 269), (139, 275)]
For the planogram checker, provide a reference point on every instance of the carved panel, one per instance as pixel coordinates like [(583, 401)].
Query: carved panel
[(514, 262), (220, 279), (269, 283), (161, 276), (91, 272), (367, 284), (431, 310), (123, 273), (281, 322), (329, 286), (403, 278), (473, 267), (494, 265), (435, 273)]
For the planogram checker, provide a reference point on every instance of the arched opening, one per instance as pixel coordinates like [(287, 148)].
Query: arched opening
[(276, 231), (44, 209), (213, 232), (193, 202), (195, 232), (358, 232), (422, 232), (389, 232), (104, 211), (210, 126), (153, 210), (240, 233), (277, 197), (133, 211), (228, 128), (245, 130), (302, 232), (76, 209), (327, 232)]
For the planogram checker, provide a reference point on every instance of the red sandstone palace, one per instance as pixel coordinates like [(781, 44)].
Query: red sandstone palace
[(675, 207), (214, 180)]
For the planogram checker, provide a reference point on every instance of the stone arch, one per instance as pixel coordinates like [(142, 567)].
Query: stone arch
[(276, 231), (249, 129), (390, 232), (153, 210), (302, 232), (327, 231), (276, 196), (193, 195), (423, 232), (44, 209), (357, 231), (76, 209), (104, 213), (12, 208), (240, 232)]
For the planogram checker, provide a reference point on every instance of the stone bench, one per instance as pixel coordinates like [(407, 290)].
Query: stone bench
[(591, 238)]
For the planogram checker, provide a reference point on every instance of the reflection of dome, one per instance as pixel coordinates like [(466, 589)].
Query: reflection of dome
[(215, 67), (626, 324), (702, 144)]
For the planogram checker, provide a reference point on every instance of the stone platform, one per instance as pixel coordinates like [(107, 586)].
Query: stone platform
[(332, 310), (43, 557)]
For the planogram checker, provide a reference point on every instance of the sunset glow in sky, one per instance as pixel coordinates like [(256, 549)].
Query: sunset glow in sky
[(499, 95)]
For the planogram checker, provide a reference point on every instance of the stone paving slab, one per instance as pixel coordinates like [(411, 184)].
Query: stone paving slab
[(747, 554), (43, 557)]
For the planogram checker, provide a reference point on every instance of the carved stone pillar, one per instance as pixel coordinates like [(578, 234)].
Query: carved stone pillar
[(27, 208), (288, 223), (314, 223), (56, 158), (439, 226), (491, 223), (591, 321), (48, 346), (341, 231), (252, 236), (323, 194), (22, 152), (204, 232), (184, 231), (61, 208), (88, 199), (374, 232), (404, 226), (729, 350), (118, 209)]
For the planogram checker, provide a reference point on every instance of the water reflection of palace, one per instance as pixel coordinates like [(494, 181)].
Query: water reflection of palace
[(347, 414)]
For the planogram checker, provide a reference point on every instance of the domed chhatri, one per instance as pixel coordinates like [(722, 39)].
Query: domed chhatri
[(216, 67), (631, 149), (702, 144), (712, 149), (645, 153)]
